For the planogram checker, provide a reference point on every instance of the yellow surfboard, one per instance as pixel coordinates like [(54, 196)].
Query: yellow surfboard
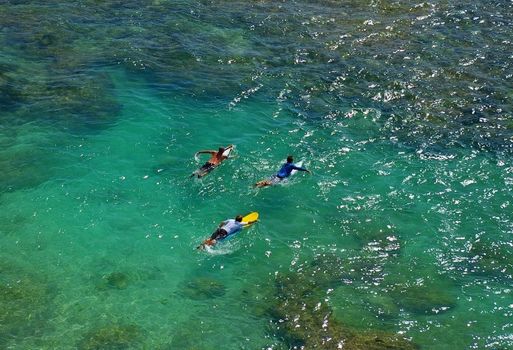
[(250, 217)]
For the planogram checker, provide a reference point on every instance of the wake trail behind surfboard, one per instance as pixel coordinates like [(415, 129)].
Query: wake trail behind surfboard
[(219, 250)]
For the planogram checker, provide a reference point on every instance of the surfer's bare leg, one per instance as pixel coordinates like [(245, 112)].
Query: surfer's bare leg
[(263, 183), (208, 242)]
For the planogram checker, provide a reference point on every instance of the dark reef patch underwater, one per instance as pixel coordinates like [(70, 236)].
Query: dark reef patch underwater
[(111, 337), (301, 316), (25, 303), (400, 239), (437, 71)]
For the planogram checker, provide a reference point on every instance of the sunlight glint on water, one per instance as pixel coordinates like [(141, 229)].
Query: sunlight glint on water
[(403, 231)]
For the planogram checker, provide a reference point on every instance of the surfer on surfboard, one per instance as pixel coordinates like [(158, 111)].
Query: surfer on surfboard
[(284, 172), (217, 157), (225, 229)]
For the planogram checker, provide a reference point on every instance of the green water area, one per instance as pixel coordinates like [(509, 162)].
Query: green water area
[(400, 238)]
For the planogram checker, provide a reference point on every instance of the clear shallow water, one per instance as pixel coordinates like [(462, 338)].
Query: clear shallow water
[(402, 112)]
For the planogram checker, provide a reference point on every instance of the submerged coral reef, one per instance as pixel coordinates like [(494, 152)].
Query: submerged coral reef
[(112, 337), (304, 320), (246, 47), (25, 304), (202, 288), (304, 317)]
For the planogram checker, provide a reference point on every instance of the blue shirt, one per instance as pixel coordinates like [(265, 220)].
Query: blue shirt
[(286, 170), (231, 226)]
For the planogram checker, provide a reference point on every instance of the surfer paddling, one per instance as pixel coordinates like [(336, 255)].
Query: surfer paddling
[(225, 229), (284, 172), (216, 158)]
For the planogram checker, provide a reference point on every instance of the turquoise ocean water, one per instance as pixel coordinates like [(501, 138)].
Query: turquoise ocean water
[(402, 238)]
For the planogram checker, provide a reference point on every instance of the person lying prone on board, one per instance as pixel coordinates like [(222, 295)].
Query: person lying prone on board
[(283, 173), (217, 157), (225, 229)]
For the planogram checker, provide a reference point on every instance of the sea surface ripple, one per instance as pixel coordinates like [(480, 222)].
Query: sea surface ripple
[(401, 238)]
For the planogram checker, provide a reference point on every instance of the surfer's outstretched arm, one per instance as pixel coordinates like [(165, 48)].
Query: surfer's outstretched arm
[(300, 168), (206, 151), (244, 223)]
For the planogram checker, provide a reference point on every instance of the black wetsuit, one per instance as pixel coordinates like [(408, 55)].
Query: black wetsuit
[(207, 167)]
